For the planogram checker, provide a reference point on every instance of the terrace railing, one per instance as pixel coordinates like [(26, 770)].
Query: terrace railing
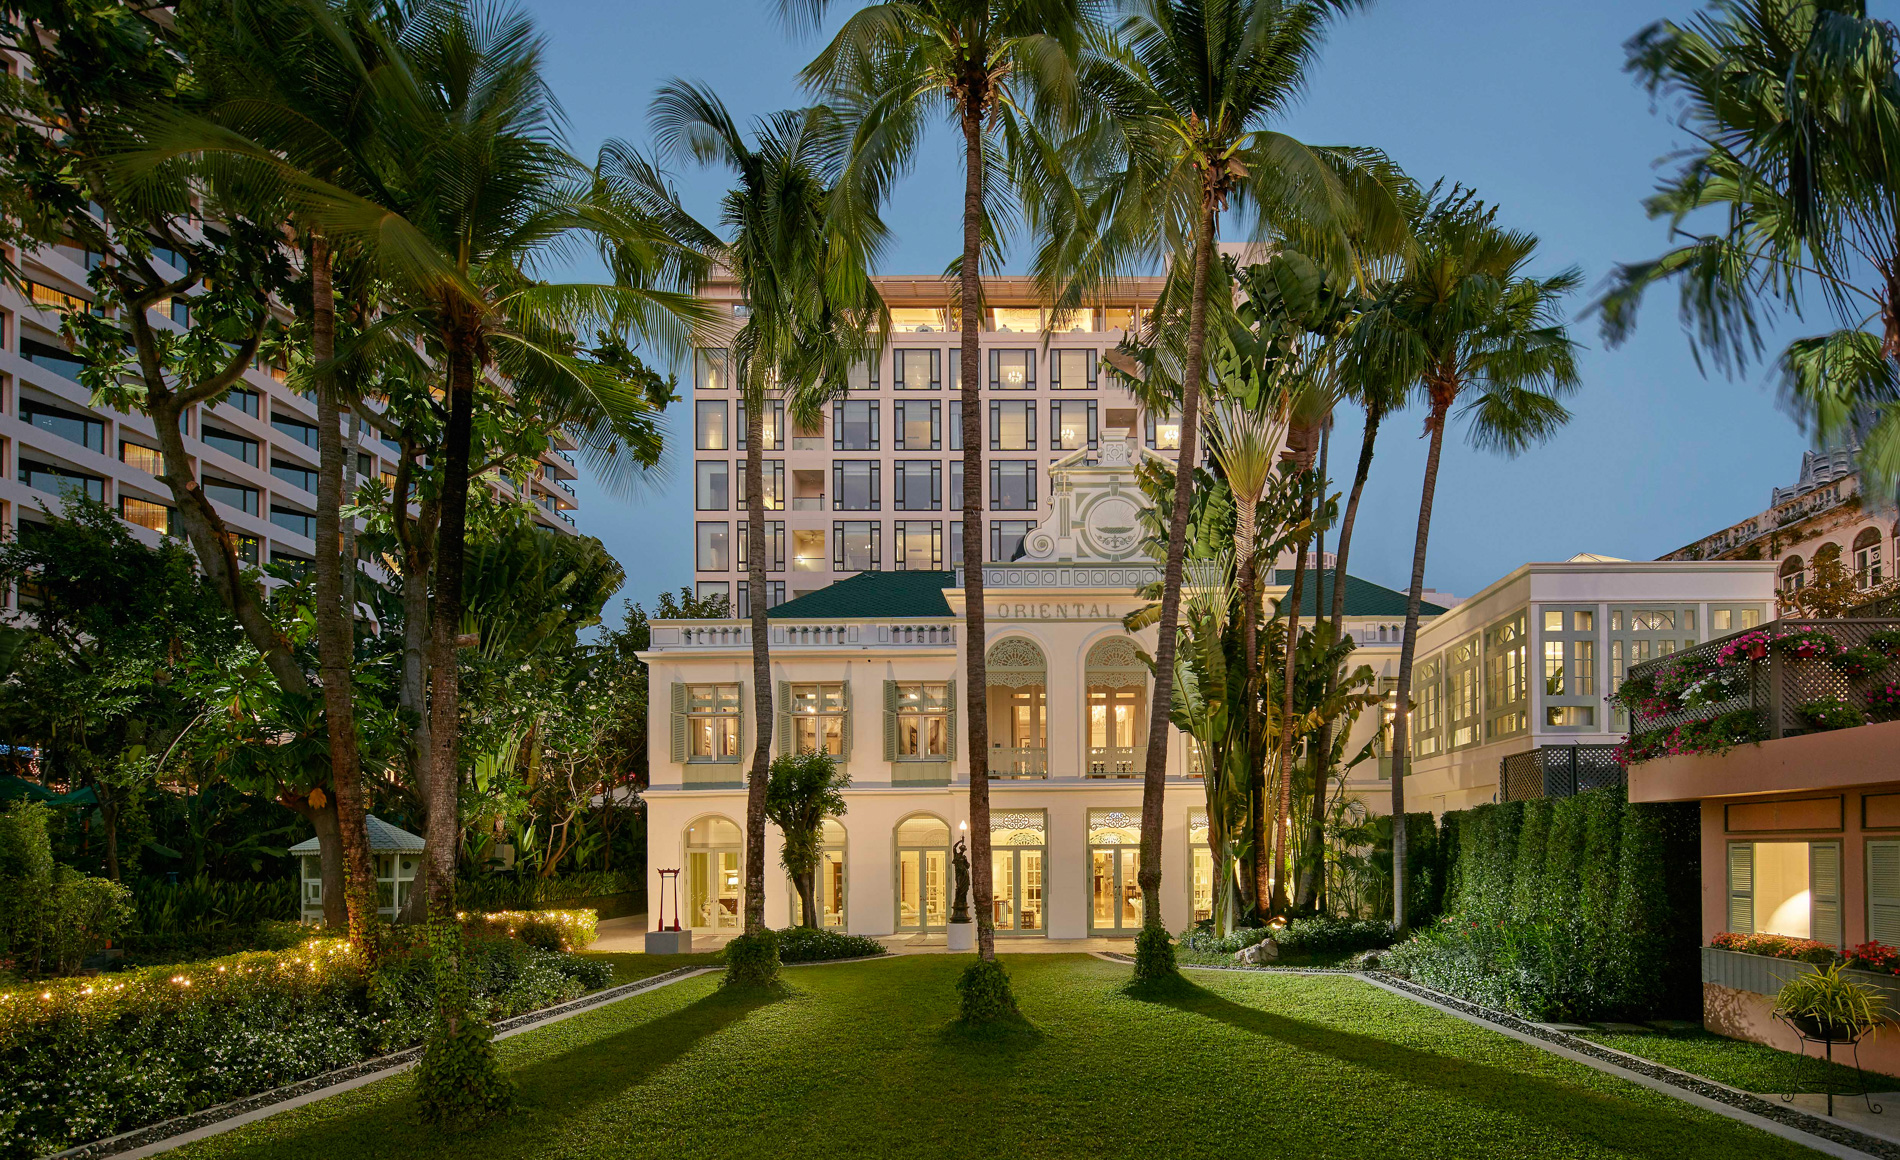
[(1782, 679), (1557, 771)]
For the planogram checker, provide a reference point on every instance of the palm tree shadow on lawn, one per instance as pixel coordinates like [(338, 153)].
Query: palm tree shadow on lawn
[(1605, 1120), (546, 1090)]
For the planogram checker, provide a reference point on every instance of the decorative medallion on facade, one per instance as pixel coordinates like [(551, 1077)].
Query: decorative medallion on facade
[(1095, 513)]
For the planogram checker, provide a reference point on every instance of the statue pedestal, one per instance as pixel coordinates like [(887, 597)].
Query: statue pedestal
[(962, 936), (669, 942)]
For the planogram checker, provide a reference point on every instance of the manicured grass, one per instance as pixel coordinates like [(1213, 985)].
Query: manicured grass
[(860, 1060), (1753, 1067), (632, 967)]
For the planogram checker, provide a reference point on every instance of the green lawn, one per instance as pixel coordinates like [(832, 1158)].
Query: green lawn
[(858, 1061), (1753, 1067)]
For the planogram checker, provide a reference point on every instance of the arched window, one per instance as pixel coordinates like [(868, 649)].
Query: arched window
[(713, 848), (1869, 568), (923, 873), (1116, 681), (1018, 698), (1794, 575)]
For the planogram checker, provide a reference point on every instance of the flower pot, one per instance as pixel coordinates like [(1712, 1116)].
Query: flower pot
[(1816, 1028)]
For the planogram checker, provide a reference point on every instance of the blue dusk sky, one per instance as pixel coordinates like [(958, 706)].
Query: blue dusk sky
[(1528, 103)]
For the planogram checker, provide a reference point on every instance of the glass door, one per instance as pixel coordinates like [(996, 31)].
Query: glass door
[(1114, 865), (1017, 842), (712, 889), (923, 874)]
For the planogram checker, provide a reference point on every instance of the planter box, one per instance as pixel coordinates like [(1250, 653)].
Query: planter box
[(1762, 975)]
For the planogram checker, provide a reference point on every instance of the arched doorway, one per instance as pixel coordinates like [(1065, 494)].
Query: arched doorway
[(714, 846), (828, 881), (1118, 729), (923, 873), (1018, 698)]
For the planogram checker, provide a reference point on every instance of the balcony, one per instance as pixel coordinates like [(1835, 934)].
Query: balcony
[(1116, 761), (1794, 704), (810, 443), (808, 503), (1018, 762)]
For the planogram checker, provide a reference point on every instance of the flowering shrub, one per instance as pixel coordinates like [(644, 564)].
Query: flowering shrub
[(1810, 644), (1748, 646), (1883, 703), (1831, 713), (85, 1058), (550, 930), (1861, 662), (1873, 956), (1885, 642), (1775, 946), (1716, 735)]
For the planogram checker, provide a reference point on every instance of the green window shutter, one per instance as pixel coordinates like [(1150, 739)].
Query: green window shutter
[(1824, 892), (844, 745), (745, 726), (890, 720), (1883, 892), (950, 734), (679, 722), (785, 743), (1741, 887)]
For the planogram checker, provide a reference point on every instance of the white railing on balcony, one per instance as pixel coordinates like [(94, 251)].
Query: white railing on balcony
[(809, 444), (1020, 761), (1115, 761), (812, 634), (808, 503)]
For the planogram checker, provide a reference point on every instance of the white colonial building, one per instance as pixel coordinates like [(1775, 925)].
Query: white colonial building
[(869, 668)]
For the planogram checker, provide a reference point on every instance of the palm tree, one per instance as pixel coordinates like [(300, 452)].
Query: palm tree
[(811, 315), (1464, 322), (1182, 127), (1793, 105), (999, 71)]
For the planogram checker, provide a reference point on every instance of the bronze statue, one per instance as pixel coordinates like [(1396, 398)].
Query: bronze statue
[(960, 867)]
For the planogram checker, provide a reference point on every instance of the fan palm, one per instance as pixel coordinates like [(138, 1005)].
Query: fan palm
[(1002, 72), (1474, 332), (812, 313), (1795, 108), (1183, 109)]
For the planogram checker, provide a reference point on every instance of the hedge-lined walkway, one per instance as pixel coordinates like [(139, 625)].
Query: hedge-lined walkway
[(857, 1062)]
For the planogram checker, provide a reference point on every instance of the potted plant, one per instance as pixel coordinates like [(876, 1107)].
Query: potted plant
[(1861, 662), (1810, 644), (1824, 1004), (1883, 703), (1832, 713)]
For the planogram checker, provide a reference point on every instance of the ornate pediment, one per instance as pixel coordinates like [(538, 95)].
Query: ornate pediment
[(1095, 508)]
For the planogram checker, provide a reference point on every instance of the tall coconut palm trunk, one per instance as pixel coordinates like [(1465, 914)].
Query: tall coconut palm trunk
[(1279, 839), (761, 654), (976, 668), (444, 832), (1408, 648), (1155, 765), (1312, 879), (336, 647)]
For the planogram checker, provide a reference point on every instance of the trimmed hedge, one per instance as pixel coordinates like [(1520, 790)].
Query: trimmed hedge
[(803, 945), (1581, 908), (82, 1059), (1321, 935), (512, 892)]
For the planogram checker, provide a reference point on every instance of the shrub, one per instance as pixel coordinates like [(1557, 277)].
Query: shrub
[(1831, 713), (1327, 934), (983, 994), (1201, 938), (550, 930), (1154, 956), (752, 960), (1883, 703), (86, 1058), (510, 891), (1860, 662), (1775, 946), (51, 916), (459, 1082), (804, 945)]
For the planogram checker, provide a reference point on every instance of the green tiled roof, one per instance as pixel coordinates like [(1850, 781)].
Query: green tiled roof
[(874, 594), (1363, 597)]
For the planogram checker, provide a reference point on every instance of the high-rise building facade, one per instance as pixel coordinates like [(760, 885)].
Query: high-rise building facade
[(254, 453), (876, 485)]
